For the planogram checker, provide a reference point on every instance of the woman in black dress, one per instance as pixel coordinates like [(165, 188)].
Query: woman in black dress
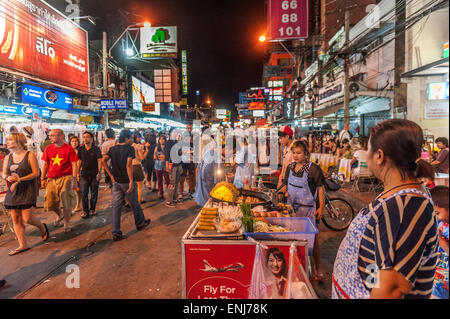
[(21, 171)]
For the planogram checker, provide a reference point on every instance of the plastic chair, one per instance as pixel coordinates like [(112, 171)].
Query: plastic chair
[(364, 175)]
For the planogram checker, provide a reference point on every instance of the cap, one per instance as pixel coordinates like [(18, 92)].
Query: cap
[(286, 130), (29, 130)]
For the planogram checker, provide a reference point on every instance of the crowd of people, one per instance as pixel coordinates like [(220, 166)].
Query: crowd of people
[(398, 233)]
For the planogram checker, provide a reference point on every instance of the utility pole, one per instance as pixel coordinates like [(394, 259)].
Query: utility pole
[(105, 77), (399, 60), (346, 72)]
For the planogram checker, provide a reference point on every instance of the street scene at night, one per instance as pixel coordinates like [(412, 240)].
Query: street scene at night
[(251, 150)]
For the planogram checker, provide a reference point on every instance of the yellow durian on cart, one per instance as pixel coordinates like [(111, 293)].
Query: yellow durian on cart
[(225, 191)]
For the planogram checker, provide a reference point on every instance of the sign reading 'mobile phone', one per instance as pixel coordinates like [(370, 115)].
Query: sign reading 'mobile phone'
[(40, 43)]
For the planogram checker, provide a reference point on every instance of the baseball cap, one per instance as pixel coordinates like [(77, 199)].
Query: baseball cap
[(286, 130)]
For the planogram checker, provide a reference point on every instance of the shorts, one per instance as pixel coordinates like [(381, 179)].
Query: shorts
[(20, 207), (138, 173), (59, 191)]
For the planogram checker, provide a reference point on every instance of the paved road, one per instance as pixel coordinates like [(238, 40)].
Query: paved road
[(147, 264)]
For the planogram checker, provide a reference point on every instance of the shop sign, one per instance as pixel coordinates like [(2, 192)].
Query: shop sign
[(339, 38), (143, 94), (37, 40), (243, 99), (310, 71), (184, 79), (159, 42), (46, 97), (332, 91), (438, 91), (445, 55), (243, 112), (435, 110), (276, 91), (288, 109), (275, 84), (256, 93), (256, 106), (114, 104), (288, 19), (150, 107), (26, 110), (259, 113), (221, 114), (215, 271)]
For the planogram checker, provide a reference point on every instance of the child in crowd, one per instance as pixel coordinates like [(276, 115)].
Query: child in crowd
[(440, 199)]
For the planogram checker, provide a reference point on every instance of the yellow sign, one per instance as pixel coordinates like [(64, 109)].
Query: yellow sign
[(183, 101)]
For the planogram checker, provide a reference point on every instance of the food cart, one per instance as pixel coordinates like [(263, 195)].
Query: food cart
[(223, 262)]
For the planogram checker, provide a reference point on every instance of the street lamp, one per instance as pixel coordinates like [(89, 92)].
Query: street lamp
[(313, 95), (134, 25)]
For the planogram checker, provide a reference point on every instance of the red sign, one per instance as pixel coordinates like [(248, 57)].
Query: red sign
[(256, 106), (288, 19), (216, 271), (39, 43)]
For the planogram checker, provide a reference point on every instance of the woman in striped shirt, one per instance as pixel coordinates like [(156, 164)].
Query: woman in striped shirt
[(390, 248)]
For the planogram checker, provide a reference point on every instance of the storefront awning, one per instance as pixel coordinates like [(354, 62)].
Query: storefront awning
[(439, 67), (363, 102)]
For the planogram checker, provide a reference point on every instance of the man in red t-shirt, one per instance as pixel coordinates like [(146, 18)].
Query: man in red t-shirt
[(59, 176)]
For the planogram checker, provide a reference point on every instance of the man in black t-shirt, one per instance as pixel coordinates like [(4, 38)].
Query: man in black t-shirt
[(90, 158), (121, 174)]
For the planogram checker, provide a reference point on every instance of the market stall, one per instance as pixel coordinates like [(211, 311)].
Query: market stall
[(325, 161), (243, 246), (345, 169)]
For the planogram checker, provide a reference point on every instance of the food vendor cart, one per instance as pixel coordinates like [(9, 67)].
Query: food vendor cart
[(223, 265)]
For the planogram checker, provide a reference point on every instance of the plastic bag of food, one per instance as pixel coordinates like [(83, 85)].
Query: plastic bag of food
[(296, 288)]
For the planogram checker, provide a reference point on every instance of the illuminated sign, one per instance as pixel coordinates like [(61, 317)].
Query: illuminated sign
[(184, 79), (143, 95), (159, 42), (258, 113), (46, 97), (40, 43), (288, 19), (256, 93), (26, 110), (275, 84), (114, 104), (256, 106), (438, 91)]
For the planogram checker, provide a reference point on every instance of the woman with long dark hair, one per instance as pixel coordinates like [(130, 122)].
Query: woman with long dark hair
[(276, 264), (161, 156), (390, 248)]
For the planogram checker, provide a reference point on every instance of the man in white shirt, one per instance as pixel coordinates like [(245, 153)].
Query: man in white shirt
[(110, 142), (286, 139), (344, 134)]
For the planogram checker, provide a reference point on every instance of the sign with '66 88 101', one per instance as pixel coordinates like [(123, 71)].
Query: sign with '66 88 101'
[(288, 19)]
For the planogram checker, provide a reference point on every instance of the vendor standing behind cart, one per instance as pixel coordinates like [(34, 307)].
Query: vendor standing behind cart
[(305, 183), (207, 171)]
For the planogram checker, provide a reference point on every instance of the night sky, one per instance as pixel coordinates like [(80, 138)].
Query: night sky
[(220, 36)]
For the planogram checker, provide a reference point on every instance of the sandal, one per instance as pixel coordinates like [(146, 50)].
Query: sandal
[(318, 277), (47, 234), (17, 251), (67, 230), (57, 222)]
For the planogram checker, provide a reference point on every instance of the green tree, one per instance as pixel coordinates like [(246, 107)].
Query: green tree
[(161, 35)]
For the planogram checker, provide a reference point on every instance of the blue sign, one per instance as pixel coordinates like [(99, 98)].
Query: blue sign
[(24, 110), (243, 112), (46, 97), (243, 99), (115, 104)]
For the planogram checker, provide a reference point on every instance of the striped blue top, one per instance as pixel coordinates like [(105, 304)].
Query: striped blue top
[(402, 234)]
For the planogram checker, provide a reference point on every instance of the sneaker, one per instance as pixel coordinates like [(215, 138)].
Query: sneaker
[(170, 204), (118, 237), (2, 283), (146, 223)]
